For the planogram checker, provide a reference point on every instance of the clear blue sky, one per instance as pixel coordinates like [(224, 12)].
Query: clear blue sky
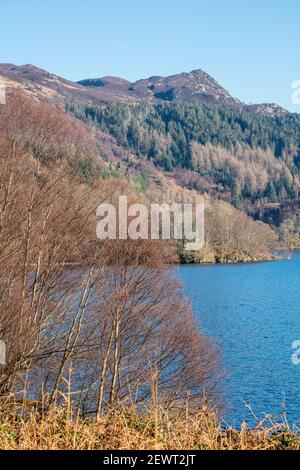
[(251, 47)]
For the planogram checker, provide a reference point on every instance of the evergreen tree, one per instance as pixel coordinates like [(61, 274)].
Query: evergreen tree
[(270, 193), (236, 197)]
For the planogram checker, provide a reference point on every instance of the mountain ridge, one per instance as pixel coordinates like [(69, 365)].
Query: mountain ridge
[(196, 86)]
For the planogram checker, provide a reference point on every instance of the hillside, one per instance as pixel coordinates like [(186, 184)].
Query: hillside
[(183, 132), (248, 160)]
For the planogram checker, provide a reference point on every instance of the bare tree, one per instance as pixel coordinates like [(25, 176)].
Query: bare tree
[(110, 311)]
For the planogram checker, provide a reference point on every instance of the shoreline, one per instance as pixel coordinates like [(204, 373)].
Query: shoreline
[(266, 259)]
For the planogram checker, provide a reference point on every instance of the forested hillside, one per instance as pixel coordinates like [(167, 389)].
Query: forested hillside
[(188, 126), (243, 156)]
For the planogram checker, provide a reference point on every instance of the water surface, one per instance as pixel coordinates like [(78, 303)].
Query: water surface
[(253, 313)]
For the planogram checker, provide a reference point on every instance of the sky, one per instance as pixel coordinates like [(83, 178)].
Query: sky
[(251, 47)]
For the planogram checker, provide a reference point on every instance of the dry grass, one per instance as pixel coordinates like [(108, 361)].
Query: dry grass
[(60, 429)]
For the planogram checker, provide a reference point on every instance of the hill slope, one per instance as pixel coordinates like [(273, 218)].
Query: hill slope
[(185, 128)]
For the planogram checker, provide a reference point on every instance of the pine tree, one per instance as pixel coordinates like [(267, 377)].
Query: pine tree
[(236, 197), (271, 193)]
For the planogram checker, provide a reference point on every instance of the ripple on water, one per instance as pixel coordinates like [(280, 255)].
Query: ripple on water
[(253, 311)]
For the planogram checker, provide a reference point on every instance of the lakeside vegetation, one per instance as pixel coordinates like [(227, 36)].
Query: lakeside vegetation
[(30, 426), (112, 311)]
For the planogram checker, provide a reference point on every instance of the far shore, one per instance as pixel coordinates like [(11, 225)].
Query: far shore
[(189, 260)]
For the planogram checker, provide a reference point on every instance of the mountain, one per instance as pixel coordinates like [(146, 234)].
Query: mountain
[(41, 84), (196, 87), (184, 132)]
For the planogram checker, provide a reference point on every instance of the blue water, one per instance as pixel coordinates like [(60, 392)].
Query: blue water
[(253, 313)]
